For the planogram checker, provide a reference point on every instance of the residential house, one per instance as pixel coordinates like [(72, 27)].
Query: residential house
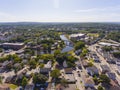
[(111, 75), (88, 82), (70, 78), (45, 70), (65, 64), (92, 70), (49, 64), (85, 63), (104, 68), (114, 86), (96, 59), (68, 71), (69, 75), (29, 87)]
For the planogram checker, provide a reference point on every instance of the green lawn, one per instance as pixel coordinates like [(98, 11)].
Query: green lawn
[(13, 87)]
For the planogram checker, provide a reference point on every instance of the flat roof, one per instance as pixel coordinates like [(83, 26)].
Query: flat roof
[(13, 44), (108, 44), (76, 35)]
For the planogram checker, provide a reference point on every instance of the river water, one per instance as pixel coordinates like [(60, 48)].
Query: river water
[(68, 46)]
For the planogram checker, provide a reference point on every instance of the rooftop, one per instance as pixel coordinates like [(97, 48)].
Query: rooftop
[(77, 35), (13, 44)]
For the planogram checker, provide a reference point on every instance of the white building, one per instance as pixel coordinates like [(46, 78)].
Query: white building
[(78, 36)]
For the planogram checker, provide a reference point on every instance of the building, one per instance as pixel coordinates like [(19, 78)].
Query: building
[(108, 44), (85, 63), (70, 78), (114, 86), (68, 71), (78, 36), (104, 69), (111, 75), (45, 70), (92, 70), (29, 87), (88, 82), (96, 59), (4, 87), (14, 46)]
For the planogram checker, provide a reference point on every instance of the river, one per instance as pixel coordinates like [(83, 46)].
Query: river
[(68, 46)]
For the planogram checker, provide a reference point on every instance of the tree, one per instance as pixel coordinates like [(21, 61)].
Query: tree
[(96, 80), (1, 50), (61, 57), (39, 79), (24, 81), (63, 82), (100, 88), (32, 63), (46, 57), (116, 54), (55, 73), (79, 45), (104, 79), (0, 80), (90, 64), (56, 53), (107, 48)]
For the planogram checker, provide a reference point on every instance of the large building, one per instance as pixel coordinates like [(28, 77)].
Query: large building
[(78, 36), (15, 46)]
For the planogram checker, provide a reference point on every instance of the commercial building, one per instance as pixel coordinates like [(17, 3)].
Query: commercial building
[(78, 36), (15, 46)]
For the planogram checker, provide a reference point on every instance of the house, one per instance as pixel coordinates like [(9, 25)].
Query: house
[(111, 75), (41, 61), (65, 64), (45, 70), (77, 52), (49, 64), (4, 87), (111, 61), (85, 63), (114, 86), (92, 70), (104, 68), (96, 59), (68, 71), (70, 78), (29, 87), (88, 82)]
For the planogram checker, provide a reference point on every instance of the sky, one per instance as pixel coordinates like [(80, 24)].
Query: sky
[(59, 10)]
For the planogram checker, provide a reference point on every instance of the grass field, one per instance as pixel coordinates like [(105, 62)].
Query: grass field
[(13, 87)]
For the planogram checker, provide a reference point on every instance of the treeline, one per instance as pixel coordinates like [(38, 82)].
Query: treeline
[(114, 36)]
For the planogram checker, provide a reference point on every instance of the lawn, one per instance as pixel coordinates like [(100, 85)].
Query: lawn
[(13, 87), (93, 34)]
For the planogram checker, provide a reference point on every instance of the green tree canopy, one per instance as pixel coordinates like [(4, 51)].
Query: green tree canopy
[(24, 81), (104, 78), (79, 45), (55, 73), (39, 79)]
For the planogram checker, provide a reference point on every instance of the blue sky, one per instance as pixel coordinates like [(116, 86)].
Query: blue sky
[(60, 10)]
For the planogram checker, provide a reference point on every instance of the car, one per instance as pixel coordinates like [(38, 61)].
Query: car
[(79, 75), (78, 71)]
